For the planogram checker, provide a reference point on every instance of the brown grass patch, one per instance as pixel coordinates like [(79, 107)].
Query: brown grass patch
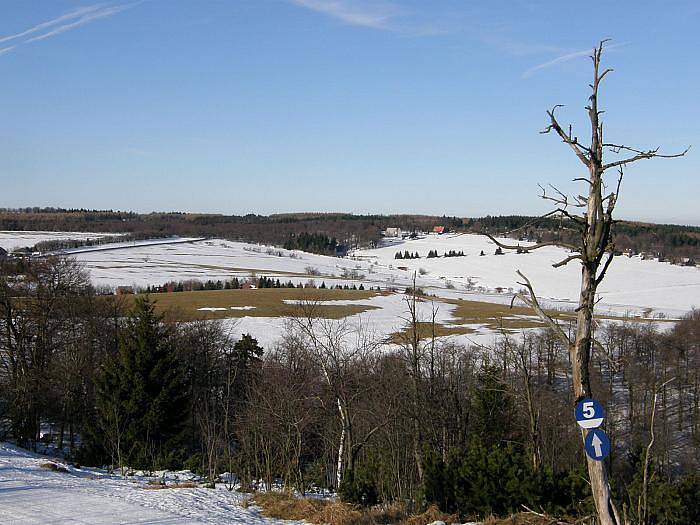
[(268, 302), (527, 518), (496, 316), (425, 331), (282, 505), (429, 516), (159, 485)]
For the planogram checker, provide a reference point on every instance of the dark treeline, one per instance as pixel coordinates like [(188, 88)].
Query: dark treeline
[(472, 430), (194, 285), (66, 244), (313, 242), (297, 230)]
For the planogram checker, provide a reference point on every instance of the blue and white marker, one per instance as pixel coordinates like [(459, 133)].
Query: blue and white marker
[(597, 444), (589, 413)]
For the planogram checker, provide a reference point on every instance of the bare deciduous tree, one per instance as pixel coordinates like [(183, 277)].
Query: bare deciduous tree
[(339, 349), (594, 249)]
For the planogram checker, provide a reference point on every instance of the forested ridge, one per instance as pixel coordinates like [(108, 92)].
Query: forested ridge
[(473, 430), (325, 233)]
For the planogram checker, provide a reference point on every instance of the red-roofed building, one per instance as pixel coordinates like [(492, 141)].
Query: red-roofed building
[(439, 230)]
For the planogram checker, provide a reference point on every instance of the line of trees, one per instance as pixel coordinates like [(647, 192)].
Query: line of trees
[(472, 430), (406, 255)]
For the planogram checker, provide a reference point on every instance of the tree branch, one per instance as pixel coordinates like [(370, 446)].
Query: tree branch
[(533, 303), (566, 261), (578, 148), (641, 155), (530, 248)]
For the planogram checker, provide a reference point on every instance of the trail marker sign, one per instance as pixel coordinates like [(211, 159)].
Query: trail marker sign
[(597, 444), (589, 413)]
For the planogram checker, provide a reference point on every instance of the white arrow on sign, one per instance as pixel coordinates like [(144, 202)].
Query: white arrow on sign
[(597, 445)]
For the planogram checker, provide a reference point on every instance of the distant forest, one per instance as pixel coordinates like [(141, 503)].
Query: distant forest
[(333, 233)]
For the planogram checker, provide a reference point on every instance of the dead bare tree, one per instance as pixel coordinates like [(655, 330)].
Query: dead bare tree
[(594, 249)]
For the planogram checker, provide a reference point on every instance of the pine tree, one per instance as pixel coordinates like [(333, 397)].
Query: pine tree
[(141, 395), (247, 355)]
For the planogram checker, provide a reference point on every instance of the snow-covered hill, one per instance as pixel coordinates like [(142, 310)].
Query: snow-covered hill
[(645, 288), (13, 240), (632, 284)]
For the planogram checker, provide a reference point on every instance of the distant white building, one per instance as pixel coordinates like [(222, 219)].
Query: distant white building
[(392, 232)]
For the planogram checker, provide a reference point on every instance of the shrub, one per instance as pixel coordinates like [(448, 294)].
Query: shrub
[(53, 467), (359, 487)]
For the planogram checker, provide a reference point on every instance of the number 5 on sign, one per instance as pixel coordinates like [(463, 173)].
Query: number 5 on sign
[(589, 413)]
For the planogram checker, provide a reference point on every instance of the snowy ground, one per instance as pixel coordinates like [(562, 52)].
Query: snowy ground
[(30, 494), (386, 318), (12, 240), (633, 286)]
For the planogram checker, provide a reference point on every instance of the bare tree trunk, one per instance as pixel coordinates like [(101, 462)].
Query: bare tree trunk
[(594, 245), (341, 447), (580, 357)]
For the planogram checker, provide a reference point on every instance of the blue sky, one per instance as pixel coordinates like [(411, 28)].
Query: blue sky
[(381, 106)]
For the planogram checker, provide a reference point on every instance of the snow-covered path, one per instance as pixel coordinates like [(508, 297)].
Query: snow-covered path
[(30, 494), (37, 502)]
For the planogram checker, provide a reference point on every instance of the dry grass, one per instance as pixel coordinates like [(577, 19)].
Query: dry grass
[(159, 485), (526, 518), (502, 317), (268, 302), (281, 505), (496, 316), (425, 331), (429, 516), (53, 467)]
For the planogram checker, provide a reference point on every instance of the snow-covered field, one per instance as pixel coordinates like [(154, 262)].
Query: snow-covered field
[(32, 494), (12, 240), (633, 286), (386, 318)]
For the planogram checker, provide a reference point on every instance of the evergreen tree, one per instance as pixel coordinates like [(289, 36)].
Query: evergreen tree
[(141, 395), (247, 356)]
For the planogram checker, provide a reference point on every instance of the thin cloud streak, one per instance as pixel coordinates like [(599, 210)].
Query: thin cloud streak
[(353, 14), (71, 15), (80, 22), (565, 58), (66, 22)]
